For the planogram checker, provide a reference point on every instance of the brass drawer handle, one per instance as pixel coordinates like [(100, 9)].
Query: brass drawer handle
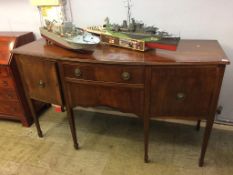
[(180, 96), (77, 72), (5, 83), (41, 84), (125, 76)]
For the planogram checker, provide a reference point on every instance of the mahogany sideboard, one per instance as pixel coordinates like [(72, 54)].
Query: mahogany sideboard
[(177, 84), (12, 98)]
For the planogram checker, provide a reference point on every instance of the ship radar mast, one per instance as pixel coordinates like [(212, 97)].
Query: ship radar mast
[(128, 6)]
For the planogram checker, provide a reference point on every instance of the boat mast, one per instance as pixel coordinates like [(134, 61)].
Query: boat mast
[(63, 10), (128, 6), (66, 11)]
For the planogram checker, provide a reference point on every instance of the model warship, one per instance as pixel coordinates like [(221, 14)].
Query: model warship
[(134, 35), (58, 29)]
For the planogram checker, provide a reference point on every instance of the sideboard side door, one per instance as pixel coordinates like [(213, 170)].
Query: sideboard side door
[(184, 91)]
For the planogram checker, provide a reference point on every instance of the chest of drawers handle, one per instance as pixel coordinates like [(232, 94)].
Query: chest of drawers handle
[(77, 72), (9, 95), (41, 84), (125, 76), (180, 96), (4, 83), (14, 109)]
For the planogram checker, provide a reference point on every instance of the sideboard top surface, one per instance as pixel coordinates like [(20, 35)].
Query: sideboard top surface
[(188, 52)]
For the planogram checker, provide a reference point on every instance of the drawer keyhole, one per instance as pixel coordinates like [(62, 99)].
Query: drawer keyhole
[(180, 96)]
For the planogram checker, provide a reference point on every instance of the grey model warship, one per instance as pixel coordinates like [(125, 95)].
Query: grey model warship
[(134, 35), (68, 36)]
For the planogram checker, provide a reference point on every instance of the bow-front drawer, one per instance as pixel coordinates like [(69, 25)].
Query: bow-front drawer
[(105, 73)]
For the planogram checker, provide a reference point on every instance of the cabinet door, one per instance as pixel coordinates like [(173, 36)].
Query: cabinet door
[(182, 91), (41, 79)]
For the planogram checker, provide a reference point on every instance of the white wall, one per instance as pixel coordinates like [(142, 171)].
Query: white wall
[(193, 19)]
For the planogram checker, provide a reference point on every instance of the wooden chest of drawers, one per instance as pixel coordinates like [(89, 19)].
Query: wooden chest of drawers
[(12, 99)]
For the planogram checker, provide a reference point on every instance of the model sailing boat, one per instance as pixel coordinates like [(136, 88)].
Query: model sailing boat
[(134, 35), (58, 30)]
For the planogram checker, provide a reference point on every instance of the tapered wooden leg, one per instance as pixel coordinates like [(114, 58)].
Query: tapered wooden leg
[(198, 125), (146, 140), (208, 129), (146, 118), (72, 127), (39, 131), (36, 120), (63, 109)]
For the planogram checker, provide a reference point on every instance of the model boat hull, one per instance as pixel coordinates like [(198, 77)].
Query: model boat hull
[(154, 45), (155, 41), (164, 43)]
